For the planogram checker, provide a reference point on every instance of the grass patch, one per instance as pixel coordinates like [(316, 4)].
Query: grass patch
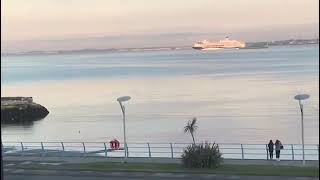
[(262, 170)]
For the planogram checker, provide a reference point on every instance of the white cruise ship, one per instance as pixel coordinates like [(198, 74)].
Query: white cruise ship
[(222, 44)]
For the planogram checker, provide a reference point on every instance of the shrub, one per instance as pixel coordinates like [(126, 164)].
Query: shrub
[(201, 156)]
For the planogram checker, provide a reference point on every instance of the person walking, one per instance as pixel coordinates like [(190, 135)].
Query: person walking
[(278, 146), (270, 148)]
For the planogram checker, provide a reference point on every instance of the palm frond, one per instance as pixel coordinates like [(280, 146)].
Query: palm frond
[(186, 129), (191, 126), (194, 121), (195, 127)]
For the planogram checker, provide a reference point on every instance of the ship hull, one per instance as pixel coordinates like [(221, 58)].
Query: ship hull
[(206, 49), (211, 49), (198, 48)]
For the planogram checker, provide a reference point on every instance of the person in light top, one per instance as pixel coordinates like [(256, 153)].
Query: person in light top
[(278, 146)]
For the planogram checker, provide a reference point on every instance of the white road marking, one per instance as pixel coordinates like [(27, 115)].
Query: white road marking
[(9, 165), (47, 163)]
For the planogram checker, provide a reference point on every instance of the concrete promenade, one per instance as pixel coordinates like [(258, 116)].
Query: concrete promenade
[(77, 160)]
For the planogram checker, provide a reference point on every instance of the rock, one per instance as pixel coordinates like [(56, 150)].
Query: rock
[(21, 109)]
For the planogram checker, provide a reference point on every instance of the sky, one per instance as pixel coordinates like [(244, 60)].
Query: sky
[(53, 24)]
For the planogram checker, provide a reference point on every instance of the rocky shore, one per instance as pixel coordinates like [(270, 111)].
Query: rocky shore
[(21, 109)]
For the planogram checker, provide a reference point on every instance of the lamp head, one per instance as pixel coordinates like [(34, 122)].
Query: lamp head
[(123, 98), (301, 97)]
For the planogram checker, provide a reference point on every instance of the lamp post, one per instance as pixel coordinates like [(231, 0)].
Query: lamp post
[(301, 97), (121, 100), (1, 158)]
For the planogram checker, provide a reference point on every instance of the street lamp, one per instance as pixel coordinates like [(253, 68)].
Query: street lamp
[(301, 97), (1, 158), (120, 100)]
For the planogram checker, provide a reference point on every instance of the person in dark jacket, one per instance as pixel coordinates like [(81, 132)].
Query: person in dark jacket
[(270, 148), (278, 146)]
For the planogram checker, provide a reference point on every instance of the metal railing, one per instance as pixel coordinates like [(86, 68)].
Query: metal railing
[(169, 150)]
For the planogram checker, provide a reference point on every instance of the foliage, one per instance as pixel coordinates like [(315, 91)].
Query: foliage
[(191, 127), (202, 156)]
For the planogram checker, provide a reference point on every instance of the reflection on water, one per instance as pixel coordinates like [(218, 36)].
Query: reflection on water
[(23, 123), (240, 98)]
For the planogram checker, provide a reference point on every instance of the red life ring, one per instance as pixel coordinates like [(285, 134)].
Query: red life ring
[(114, 144)]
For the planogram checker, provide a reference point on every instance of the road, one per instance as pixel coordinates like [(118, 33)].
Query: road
[(136, 176)]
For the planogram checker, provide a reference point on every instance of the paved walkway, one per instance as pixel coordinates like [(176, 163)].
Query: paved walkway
[(77, 160), (89, 175)]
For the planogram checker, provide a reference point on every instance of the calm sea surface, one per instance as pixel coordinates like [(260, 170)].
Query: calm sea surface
[(238, 96)]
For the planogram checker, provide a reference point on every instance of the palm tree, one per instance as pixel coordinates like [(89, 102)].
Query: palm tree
[(191, 127)]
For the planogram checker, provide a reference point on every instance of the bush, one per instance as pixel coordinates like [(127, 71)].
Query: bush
[(202, 156)]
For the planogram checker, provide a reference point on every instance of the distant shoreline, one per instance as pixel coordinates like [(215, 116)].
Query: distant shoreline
[(250, 45)]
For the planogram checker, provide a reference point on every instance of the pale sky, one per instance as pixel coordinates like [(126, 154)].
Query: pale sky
[(23, 20)]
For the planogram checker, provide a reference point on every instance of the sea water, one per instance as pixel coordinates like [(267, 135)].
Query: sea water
[(238, 96)]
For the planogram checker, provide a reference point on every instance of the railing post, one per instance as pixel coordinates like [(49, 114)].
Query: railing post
[(292, 151), (267, 151), (171, 150), (2, 149), (318, 152), (127, 150), (62, 145), (105, 150), (84, 149), (149, 150), (242, 154), (22, 149), (42, 149)]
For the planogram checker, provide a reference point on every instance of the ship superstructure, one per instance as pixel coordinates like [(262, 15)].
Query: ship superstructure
[(222, 44)]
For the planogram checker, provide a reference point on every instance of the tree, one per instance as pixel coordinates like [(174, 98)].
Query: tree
[(191, 127)]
